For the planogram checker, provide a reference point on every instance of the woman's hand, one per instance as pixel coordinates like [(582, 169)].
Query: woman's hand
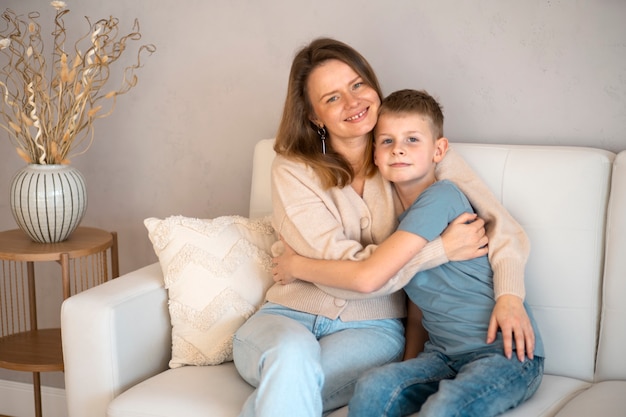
[(281, 265), (465, 238), (511, 317)]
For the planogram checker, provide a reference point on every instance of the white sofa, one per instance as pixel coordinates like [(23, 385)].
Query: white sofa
[(572, 203)]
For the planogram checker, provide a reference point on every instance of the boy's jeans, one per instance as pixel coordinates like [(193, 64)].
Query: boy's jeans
[(480, 384), (302, 364)]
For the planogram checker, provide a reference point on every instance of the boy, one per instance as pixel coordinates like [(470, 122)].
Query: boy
[(457, 373)]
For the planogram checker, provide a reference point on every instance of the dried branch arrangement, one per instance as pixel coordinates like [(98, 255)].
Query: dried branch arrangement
[(50, 119)]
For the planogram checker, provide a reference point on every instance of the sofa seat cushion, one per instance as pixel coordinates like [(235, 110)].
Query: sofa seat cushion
[(189, 391), (553, 392), (551, 395), (606, 399), (200, 391)]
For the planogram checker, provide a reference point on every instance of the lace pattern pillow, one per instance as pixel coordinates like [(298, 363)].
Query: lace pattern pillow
[(216, 272)]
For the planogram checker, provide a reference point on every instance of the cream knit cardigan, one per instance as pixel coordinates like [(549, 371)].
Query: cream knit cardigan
[(337, 223)]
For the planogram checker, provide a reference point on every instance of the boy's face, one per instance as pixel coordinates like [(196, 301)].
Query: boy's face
[(405, 149)]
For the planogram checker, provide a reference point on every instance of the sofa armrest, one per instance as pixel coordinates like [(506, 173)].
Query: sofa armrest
[(114, 336)]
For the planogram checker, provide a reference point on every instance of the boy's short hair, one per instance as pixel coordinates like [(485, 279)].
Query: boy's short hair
[(415, 102)]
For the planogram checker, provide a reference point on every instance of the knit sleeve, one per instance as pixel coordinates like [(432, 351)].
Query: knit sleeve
[(319, 226), (309, 218), (509, 246)]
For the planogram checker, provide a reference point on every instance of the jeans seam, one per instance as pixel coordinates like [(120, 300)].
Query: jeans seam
[(407, 384), (488, 389), (391, 360), (250, 347)]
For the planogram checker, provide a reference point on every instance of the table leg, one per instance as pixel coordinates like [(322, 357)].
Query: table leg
[(32, 298), (65, 275), (115, 265), (37, 390)]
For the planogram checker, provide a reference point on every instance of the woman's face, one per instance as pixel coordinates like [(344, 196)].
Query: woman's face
[(342, 101)]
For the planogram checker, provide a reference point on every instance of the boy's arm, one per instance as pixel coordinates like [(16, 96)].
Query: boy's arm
[(415, 334), (364, 276)]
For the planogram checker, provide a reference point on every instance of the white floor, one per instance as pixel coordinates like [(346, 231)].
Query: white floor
[(17, 400)]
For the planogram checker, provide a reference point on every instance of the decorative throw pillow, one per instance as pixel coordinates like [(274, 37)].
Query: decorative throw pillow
[(216, 272)]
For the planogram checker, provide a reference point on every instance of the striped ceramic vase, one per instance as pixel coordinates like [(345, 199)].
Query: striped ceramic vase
[(48, 201)]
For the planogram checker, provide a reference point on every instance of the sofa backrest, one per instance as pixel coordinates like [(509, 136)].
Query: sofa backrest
[(559, 195), (611, 363), (260, 190)]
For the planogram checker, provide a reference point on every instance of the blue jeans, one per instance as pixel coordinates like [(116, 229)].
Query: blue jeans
[(479, 384), (303, 365)]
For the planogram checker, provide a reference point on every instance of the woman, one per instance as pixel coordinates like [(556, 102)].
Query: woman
[(305, 348)]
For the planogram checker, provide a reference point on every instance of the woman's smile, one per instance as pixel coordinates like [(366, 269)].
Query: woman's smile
[(358, 116)]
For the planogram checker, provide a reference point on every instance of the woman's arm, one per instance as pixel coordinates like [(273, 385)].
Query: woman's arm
[(326, 224), (365, 276), (508, 252), (508, 243)]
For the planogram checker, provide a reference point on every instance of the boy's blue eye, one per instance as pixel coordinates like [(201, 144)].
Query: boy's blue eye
[(413, 139)]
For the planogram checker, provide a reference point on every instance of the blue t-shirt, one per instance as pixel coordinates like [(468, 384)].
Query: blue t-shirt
[(456, 298)]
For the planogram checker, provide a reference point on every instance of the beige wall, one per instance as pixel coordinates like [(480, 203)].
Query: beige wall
[(537, 71)]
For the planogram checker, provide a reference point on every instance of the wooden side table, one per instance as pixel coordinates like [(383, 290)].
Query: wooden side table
[(83, 257)]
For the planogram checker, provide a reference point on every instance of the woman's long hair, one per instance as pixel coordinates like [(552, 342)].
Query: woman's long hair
[(297, 136)]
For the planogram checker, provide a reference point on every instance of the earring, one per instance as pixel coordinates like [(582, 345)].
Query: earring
[(322, 132)]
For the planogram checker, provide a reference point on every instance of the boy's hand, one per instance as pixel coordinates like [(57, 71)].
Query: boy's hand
[(511, 317), (281, 265)]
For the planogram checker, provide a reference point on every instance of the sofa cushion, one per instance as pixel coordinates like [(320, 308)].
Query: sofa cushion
[(190, 391), (216, 272), (605, 399), (611, 363), (549, 190), (220, 391)]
